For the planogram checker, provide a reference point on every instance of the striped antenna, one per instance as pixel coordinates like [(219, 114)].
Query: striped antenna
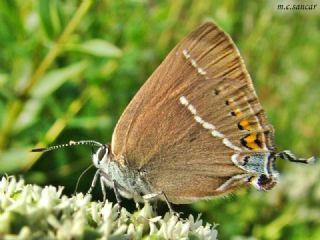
[(288, 155), (70, 144)]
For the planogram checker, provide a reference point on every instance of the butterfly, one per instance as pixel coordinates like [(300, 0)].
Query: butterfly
[(195, 129)]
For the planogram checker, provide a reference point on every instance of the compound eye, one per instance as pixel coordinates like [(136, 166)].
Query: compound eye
[(101, 153)]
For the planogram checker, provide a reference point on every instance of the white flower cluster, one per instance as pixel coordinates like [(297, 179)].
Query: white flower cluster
[(32, 212)]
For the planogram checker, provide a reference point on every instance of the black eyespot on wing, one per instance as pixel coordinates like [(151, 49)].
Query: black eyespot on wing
[(265, 182)]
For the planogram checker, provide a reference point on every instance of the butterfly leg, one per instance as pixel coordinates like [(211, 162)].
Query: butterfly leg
[(94, 181), (156, 195), (103, 188), (95, 178), (116, 192)]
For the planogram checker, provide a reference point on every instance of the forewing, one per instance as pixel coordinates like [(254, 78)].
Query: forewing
[(194, 112)]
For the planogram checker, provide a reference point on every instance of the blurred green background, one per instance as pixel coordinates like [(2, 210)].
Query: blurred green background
[(69, 68)]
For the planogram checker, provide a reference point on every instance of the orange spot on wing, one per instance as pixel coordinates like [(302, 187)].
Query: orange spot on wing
[(245, 124), (252, 141)]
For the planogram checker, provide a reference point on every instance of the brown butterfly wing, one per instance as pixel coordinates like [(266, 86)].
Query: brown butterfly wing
[(172, 142)]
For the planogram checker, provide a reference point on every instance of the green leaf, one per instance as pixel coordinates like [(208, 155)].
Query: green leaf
[(44, 13), (50, 15), (50, 83), (54, 79), (97, 47)]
